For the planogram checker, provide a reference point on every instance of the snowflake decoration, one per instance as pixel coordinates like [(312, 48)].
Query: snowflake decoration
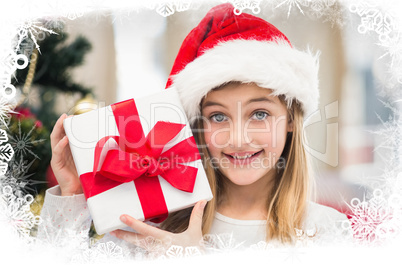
[(305, 237), (71, 240), (390, 134), (330, 10), (9, 62), (150, 247), (31, 29), (374, 18), (16, 212), (3, 165), (100, 252), (175, 251), (109, 249), (292, 3), (72, 14), (3, 168), (86, 256), (261, 246), (6, 152), (334, 14), (26, 47), (378, 220), (182, 5), (20, 168), (5, 110), (69, 9), (240, 5), (393, 47), (3, 136), (167, 9), (191, 252), (372, 220), (22, 142), (321, 6), (56, 24), (221, 242), (16, 176), (122, 15)]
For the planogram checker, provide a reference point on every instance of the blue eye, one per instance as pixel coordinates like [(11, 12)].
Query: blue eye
[(260, 115), (218, 118)]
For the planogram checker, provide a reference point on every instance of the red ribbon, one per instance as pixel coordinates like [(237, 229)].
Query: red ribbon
[(140, 159)]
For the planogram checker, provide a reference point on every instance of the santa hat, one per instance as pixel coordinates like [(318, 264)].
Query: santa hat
[(225, 47)]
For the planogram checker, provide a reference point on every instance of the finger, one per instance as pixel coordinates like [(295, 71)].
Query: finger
[(195, 223), (58, 150), (142, 228), (58, 131), (130, 237)]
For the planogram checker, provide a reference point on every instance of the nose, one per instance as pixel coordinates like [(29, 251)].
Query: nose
[(238, 137)]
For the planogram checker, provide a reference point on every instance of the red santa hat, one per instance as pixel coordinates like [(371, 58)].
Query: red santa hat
[(225, 47)]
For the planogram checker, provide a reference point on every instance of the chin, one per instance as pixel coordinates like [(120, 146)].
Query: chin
[(244, 177)]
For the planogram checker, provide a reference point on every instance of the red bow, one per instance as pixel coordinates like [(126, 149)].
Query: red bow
[(126, 164), (140, 159)]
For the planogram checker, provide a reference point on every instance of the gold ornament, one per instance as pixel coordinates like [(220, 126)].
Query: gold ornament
[(37, 204), (84, 105), (30, 76), (31, 72)]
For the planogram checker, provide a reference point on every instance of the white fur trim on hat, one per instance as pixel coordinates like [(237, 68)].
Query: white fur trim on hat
[(274, 65)]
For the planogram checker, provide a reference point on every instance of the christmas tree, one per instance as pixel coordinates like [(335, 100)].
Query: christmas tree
[(29, 129)]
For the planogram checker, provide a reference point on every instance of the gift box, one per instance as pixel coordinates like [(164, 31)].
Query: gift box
[(137, 157)]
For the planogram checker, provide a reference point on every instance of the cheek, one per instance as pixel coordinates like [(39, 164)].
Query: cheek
[(207, 138), (209, 143), (271, 136), (278, 136), (216, 138)]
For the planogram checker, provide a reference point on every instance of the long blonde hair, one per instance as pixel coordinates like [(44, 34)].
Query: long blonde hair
[(286, 202)]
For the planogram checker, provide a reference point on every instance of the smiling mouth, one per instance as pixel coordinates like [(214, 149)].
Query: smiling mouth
[(238, 157)]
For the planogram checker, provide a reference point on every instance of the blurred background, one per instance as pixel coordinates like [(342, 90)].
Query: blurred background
[(102, 57)]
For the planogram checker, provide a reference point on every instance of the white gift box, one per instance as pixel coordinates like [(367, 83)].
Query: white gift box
[(85, 130)]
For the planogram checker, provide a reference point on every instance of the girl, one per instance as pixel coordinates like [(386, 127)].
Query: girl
[(245, 90)]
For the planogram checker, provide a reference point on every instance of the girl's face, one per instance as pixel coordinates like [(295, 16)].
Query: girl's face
[(245, 131)]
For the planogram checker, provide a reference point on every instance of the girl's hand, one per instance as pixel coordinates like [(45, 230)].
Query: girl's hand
[(62, 162), (191, 237)]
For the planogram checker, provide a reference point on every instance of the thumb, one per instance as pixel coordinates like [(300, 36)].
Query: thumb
[(195, 224)]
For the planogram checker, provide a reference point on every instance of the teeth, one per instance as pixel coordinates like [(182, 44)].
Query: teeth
[(242, 157)]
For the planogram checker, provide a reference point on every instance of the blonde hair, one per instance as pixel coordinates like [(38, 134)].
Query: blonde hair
[(292, 189), (286, 202)]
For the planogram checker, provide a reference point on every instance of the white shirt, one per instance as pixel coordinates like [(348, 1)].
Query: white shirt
[(323, 222), (241, 232)]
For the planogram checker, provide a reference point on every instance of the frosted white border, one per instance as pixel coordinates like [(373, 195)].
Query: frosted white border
[(18, 252)]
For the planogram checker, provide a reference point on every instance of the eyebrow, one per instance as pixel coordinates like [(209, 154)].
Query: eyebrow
[(212, 103), (259, 99)]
